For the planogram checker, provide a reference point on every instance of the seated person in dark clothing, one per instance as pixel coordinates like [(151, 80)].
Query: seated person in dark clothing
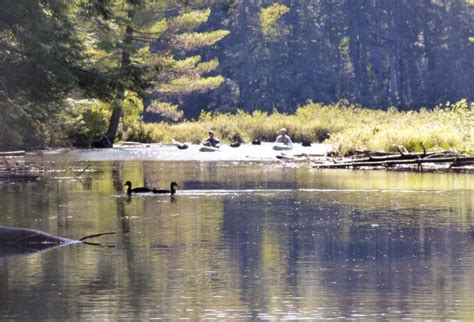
[(211, 141)]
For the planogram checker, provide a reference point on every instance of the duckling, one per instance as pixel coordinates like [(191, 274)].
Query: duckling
[(136, 190), (172, 190)]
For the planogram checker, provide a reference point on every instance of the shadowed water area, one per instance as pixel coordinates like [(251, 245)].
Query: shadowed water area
[(243, 240)]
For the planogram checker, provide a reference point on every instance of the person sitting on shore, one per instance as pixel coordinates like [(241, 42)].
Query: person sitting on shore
[(211, 141), (283, 138)]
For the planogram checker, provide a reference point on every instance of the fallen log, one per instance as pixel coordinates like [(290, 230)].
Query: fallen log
[(25, 236), (455, 161), (18, 170), (402, 154), (394, 158), (367, 153), (18, 177), (12, 153), (301, 157), (415, 156), (24, 241), (132, 143)]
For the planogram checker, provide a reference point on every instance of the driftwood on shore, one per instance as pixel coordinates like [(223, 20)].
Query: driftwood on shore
[(437, 160), (19, 169), (12, 153)]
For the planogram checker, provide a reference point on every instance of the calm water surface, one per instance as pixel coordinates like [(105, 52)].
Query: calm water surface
[(241, 240)]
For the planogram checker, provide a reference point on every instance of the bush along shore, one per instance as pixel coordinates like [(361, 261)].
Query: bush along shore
[(438, 138), (348, 128)]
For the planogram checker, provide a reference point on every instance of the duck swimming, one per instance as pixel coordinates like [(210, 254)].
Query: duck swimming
[(136, 190), (172, 190)]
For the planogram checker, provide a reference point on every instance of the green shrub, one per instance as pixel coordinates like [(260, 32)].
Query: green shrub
[(347, 127), (85, 120)]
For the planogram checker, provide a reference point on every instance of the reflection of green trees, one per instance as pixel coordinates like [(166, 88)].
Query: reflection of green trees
[(394, 190), (314, 250), (243, 253)]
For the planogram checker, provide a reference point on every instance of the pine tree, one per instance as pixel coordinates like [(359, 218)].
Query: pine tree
[(40, 55), (149, 53)]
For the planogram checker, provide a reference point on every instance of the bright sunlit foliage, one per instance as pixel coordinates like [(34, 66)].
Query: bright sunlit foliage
[(269, 17)]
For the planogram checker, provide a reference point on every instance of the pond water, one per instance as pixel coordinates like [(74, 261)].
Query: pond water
[(242, 240)]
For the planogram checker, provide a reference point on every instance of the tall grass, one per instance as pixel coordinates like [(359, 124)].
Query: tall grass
[(346, 127)]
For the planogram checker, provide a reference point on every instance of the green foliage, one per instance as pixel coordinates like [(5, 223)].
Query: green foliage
[(120, 51), (441, 128), (142, 132), (186, 84), (137, 66), (25, 125), (132, 108), (158, 28), (168, 112), (39, 50), (194, 40), (172, 68), (180, 66), (82, 122), (95, 49), (347, 127), (361, 51), (207, 67), (269, 17), (190, 20)]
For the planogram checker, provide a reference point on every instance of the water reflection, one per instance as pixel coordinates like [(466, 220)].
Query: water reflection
[(312, 245), (244, 241)]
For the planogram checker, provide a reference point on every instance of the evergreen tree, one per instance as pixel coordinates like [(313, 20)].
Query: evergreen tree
[(149, 54), (407, 53), (40, 56)]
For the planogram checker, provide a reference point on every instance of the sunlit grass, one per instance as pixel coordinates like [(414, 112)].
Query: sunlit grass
[(346, 127)]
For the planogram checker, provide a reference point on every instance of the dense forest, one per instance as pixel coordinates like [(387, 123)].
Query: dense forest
[(88, 72), (376, 53)]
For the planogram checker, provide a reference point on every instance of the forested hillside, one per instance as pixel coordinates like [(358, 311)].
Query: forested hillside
[(376, 53), (87, 72), (78, 71)]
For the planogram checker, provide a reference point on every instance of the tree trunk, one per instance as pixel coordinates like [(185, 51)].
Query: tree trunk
[(107, 140)]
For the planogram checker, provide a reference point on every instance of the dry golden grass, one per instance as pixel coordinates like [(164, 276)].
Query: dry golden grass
[(346, 127)]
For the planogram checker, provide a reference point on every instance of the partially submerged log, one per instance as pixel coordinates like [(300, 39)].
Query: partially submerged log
[(24, 241), (18, 177), (299, 158), (402, 154), (19, 170), (368, 153), (31, 237), (448, 159), (12, 153), (455, 161), (132, 143)]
